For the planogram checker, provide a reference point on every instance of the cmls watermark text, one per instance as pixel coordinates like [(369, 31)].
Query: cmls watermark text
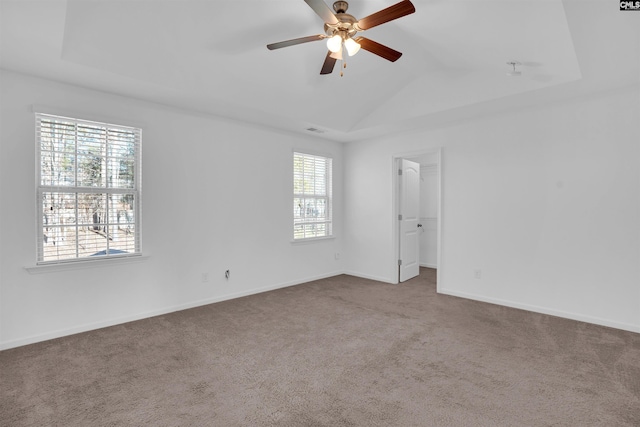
[(629, 5)]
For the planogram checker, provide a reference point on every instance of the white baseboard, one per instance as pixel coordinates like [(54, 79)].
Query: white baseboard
[(429, 265), (544, 310), (117, 321), (370, 277), (139, 316)]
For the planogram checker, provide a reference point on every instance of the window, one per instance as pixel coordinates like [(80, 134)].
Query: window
[(88, 189), (311, 196)]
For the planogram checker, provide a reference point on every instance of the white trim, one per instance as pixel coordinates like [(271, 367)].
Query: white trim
[(125, 319), (45, 121), (312, 152), (312, 239), (84, 263), (428, 265), (85, 116), (395, 197), (370, 277), (327, 162), (543, 310)]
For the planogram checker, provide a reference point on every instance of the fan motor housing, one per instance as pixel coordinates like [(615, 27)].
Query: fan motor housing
[(346, 24)]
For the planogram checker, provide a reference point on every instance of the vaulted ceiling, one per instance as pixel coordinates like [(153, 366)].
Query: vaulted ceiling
[(211, 57)]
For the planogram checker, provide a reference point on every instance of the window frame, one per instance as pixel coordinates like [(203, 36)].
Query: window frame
[(327, 196), (135, 190)]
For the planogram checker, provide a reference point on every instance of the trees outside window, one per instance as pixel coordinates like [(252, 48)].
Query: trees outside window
[(88, 189), (312, 196)]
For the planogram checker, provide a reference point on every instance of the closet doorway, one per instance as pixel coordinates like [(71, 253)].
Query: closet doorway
[(429, 221)]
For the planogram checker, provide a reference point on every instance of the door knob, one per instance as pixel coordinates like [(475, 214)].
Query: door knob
[(419, 225)]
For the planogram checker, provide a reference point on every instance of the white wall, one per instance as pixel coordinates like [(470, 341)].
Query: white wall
[(544, 201), (216, 196)]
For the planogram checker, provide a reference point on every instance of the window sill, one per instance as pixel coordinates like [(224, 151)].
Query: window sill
[(83, 264), (311, 240)]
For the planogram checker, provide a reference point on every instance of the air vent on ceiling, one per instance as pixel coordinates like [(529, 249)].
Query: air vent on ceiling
[(315, 130)]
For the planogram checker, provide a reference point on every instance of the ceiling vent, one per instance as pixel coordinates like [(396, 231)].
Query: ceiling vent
[(315, 130)]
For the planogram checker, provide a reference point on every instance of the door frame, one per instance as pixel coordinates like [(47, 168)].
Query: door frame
[(395, 201)]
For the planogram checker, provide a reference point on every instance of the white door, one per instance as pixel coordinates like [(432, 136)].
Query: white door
[(409, 179), (429, 215)]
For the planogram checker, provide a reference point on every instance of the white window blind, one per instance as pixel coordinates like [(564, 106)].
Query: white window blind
[(88, 189), (312, 192)]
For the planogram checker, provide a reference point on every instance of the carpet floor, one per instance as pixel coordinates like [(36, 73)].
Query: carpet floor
[(342, 351)]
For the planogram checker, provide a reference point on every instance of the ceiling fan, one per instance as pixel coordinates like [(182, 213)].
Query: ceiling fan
[(340, 29)]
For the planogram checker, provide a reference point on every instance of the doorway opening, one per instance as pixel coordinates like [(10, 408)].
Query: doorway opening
[(417, 212)]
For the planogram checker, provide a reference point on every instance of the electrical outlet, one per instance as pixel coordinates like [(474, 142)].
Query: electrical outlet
[(478, 274), (205, 277), (337, 255)]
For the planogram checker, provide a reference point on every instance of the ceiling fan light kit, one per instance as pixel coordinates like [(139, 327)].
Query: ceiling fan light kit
[(337, 55), (334, 44), (341, 27), (352, 46)]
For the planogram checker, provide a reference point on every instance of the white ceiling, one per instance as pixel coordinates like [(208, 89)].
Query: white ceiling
[(211, 57)]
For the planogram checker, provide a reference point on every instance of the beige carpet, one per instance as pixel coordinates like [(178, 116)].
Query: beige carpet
[(336, 352)]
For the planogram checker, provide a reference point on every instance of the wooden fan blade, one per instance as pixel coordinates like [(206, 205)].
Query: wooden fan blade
[(293, 42), (396, 11), (323, 11), (378, 49), (329, 63)]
